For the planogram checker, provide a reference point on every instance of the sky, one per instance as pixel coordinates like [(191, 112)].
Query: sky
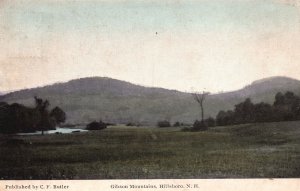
[(204, 45)]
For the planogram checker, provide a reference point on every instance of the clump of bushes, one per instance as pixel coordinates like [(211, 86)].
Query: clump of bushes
[(96, 125), (203, 125), (199, 126), (178, 124), (210, 122), (164, 123)]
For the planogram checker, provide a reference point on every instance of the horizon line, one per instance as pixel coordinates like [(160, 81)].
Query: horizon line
[(2, 93)]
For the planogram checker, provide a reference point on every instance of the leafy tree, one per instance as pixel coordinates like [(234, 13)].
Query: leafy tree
[(279, 99), (58, 114), (287, 106), (46, 122), (225, 118), (6, 119), (244, 112), (16, 118), (263, 112)]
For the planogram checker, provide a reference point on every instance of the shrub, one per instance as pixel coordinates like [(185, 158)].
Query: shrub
[(164, 123), (177, 124), (199, 126), (96, 125), (210, 122)]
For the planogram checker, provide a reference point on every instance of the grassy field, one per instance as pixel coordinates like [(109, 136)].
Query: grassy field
[(250, 150)]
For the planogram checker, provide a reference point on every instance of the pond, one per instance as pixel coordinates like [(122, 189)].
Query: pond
[(57, 131)]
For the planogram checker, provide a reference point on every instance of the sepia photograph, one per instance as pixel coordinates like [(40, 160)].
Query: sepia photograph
[(149, 89)]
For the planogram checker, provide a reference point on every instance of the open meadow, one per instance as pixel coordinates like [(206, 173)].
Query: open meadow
[(243, 151)]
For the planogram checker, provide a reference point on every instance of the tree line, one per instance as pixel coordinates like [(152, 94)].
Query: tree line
[(17, 118), (286, 107)]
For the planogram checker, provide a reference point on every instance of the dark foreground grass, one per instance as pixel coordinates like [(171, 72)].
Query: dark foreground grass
[(268, 150)]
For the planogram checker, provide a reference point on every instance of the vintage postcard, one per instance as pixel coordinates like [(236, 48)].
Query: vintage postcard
[(149, 95)]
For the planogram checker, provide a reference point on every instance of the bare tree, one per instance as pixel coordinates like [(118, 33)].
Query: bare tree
[(199, 98)]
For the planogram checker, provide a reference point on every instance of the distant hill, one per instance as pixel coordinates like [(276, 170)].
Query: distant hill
[(118, 101), (264, 89)]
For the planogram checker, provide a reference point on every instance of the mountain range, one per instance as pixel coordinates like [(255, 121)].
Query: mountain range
[(117, 101)]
